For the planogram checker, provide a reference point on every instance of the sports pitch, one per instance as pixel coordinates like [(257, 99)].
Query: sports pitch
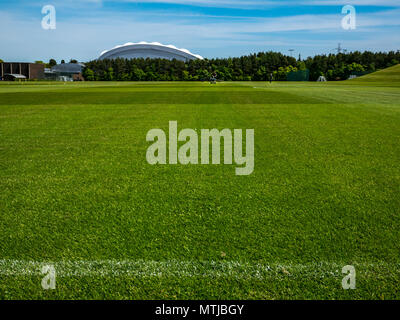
[(78, 194)]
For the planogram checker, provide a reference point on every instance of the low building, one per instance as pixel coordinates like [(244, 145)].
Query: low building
[(13, 77), (28, 70), (65, 72)]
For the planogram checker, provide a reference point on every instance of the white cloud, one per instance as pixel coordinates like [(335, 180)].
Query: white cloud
[(242, 4), (379, 3), (268, 3), (214, 3), (84, 38)]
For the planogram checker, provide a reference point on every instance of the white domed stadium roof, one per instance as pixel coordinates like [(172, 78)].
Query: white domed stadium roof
[(153, 50)]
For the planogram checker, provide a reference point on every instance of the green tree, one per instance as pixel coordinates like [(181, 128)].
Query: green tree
[(261, 74), (52, 63), (138, 74), (88, 74), (281, 73), (301, 66), (125, 76), (185, 75), (109, 75), (251, 67)]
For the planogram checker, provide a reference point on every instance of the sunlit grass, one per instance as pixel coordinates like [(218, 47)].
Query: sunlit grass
[(75, 185)]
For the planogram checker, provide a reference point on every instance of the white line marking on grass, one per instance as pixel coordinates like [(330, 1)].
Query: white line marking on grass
[(177, 268)]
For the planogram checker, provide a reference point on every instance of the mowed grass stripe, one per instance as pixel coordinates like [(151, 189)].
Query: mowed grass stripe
[(155, 97)]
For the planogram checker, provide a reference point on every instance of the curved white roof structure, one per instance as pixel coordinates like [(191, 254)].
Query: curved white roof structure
[(153, 50)]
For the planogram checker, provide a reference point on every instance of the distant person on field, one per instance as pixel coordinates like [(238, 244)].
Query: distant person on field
[(213, 79), (271, 77)]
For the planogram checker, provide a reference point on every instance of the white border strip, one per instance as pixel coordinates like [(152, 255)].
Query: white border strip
[(177, 268)]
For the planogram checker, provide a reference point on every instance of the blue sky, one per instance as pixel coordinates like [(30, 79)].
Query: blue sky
[(211, 28)]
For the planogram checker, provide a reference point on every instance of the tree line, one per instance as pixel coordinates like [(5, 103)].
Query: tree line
[(53, 62), (254, 67)]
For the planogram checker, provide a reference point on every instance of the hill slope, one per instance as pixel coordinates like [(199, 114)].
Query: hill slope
[(388, 76)]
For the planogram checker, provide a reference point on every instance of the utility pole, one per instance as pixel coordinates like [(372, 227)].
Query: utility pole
[(340, 49)]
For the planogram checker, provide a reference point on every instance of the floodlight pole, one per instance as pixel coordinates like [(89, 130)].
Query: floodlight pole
[(340, 49)]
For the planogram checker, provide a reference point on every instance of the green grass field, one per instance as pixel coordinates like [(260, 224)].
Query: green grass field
[(77, 192)]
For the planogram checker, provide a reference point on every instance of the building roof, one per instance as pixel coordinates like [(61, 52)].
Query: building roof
[(68, 67), (148, 50), (15, 75)]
